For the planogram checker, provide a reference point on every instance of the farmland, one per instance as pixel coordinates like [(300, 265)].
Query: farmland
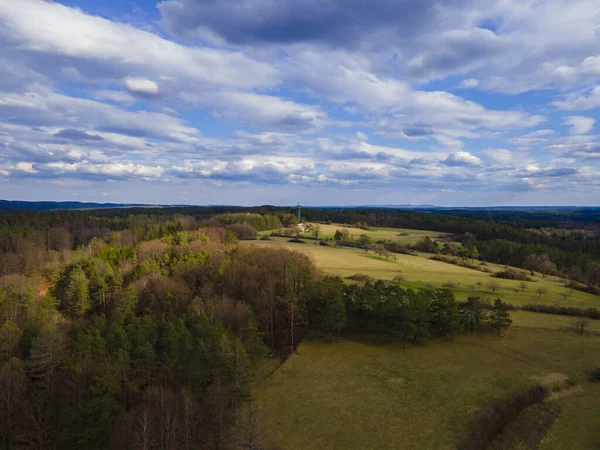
[(422, 397), (419, 271)]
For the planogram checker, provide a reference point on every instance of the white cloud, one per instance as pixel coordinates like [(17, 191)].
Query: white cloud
[(462, 159), (499, 155), (470, 83), (56, 29), (580, 102), (141, 85), (580, 124), (25, 167)]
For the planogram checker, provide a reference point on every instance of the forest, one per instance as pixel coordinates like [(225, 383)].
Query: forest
[(147, 329)]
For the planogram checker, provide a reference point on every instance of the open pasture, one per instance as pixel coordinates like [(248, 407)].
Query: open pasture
[(418, 271), (356, 395), (377, 234)]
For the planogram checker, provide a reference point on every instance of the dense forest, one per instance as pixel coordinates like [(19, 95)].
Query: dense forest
[(146, 329)]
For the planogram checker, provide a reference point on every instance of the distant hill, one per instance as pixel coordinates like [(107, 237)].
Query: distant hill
[(7, 206)]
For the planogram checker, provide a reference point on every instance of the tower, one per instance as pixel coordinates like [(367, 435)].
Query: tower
[(299, 213)]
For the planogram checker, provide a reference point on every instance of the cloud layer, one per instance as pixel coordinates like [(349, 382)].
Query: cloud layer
[(324, 102)]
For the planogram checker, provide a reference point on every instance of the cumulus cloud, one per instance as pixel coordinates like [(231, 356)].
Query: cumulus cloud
[(462, 159), (141, 85), (317, 96), (54, 29)]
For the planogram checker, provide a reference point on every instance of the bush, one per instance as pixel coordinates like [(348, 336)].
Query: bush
[(491, 419), (265, 238), (323, 243), (594, 375), (397, 247), (243, 231), (512, 274), (583, 288), (361, 277), (591, 313), (297, 241)]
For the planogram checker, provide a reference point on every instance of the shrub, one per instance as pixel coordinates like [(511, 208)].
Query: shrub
[(591, 313), (323, 243), (491, 419), (297, 241), (361, 277), (397, 247), (265, 238), (594, 375), (512, 274), (243, 231)]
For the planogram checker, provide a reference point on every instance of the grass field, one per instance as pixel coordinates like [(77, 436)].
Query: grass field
[(549, 321), (403, 235), (356, 395), (419, 271)]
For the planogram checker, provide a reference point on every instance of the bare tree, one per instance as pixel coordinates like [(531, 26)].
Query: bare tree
[(316, 230), (250, 430), (540, 291), (494, 285), (522, 285), (581, 323)]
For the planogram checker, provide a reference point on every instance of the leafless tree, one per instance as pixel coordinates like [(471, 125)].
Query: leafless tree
[(494, 285), (581, 323)]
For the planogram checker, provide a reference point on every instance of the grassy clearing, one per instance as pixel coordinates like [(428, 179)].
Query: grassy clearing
[(419, 271), (578, 426), (377, 234), (355, 395), (549, 321)]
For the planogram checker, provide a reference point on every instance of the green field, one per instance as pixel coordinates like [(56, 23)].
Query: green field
[(356, 395), (419, 271), (403, 235)]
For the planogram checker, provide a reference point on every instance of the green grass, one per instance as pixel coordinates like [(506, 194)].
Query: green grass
[(549, 321), (404, 235), (355, 395), (419, 272), (578, 426)]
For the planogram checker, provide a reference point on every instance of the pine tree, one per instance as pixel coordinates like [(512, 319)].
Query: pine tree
[(77, 293), (500, 318)]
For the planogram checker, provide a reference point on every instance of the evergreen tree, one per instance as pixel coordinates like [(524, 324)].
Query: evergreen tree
[(77, 301), (500, 317)]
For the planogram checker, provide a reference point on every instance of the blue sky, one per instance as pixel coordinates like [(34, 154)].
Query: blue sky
[(325, 102)]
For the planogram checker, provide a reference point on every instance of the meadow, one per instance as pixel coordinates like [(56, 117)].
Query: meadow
[(360, 395), (356, 395), (419, 271), (404, 235)]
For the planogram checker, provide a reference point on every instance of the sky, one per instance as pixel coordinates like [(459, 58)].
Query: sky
[(322, 102)]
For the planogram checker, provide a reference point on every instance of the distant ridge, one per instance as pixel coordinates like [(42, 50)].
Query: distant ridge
[(7, 206), (16, 205)]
